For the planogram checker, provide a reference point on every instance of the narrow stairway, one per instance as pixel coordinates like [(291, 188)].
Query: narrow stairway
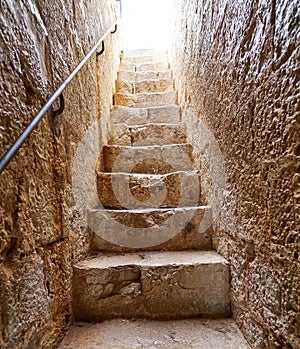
[(152, 256)]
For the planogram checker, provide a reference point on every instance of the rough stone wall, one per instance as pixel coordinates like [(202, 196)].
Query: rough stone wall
[(237, 69), (41, 229)]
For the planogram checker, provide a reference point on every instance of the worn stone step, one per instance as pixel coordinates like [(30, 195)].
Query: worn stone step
[(155, 334), (138, 116), (140, 59), (124, 190), (148, 134), (159, 285), (147, 58), (145, 99), (143, 56), (154, 85), (146, 159), (159, 229), (148, 75), (145, 66)]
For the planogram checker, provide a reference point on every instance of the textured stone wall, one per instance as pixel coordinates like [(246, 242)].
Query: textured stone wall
[(41, 229), (237, 70)]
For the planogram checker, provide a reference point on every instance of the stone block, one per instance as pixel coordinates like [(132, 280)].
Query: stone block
[(161, 228), (167, 114), (147, 75), (125, 86), (144, 66), (164, 285), (124, 190), (148, 58), (138, 116), (145, 99), (154, 85), (147, 159), (148, 134), (25, 302), (129, 116)]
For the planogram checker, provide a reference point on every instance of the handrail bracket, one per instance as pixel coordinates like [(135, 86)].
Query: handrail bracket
[(116, 27), (56, 112), (102, 49)]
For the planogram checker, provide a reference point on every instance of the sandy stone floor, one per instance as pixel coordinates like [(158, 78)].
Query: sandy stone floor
[(136, 334)]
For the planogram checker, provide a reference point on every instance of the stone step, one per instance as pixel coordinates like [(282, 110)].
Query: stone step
[(145, 66), (146, 159), (177, 228), (138, 116), (154, 85), (145, 99), (159, 285), (155, 334), (149, 75), (139, 57), (145, 59), (149, 134), (124, 190)]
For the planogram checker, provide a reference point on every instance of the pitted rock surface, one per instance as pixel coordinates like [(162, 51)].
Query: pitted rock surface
[(138, 334), (236, 67), (41, 229)]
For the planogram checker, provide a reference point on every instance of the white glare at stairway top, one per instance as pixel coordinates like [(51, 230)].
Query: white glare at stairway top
[(147, 24)]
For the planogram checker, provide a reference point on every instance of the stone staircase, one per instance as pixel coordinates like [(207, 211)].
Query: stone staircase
[(152, 254)]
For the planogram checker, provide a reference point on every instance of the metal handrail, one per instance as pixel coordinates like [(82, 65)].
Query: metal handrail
[(57, 94)]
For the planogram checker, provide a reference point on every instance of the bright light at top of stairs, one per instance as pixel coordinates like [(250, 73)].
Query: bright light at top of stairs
[(147, 24)]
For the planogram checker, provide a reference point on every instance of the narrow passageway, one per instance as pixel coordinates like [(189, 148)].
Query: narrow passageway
[(149, 174), (154, 256)]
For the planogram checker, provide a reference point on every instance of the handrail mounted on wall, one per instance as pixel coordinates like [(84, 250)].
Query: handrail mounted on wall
[(57, 94)]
